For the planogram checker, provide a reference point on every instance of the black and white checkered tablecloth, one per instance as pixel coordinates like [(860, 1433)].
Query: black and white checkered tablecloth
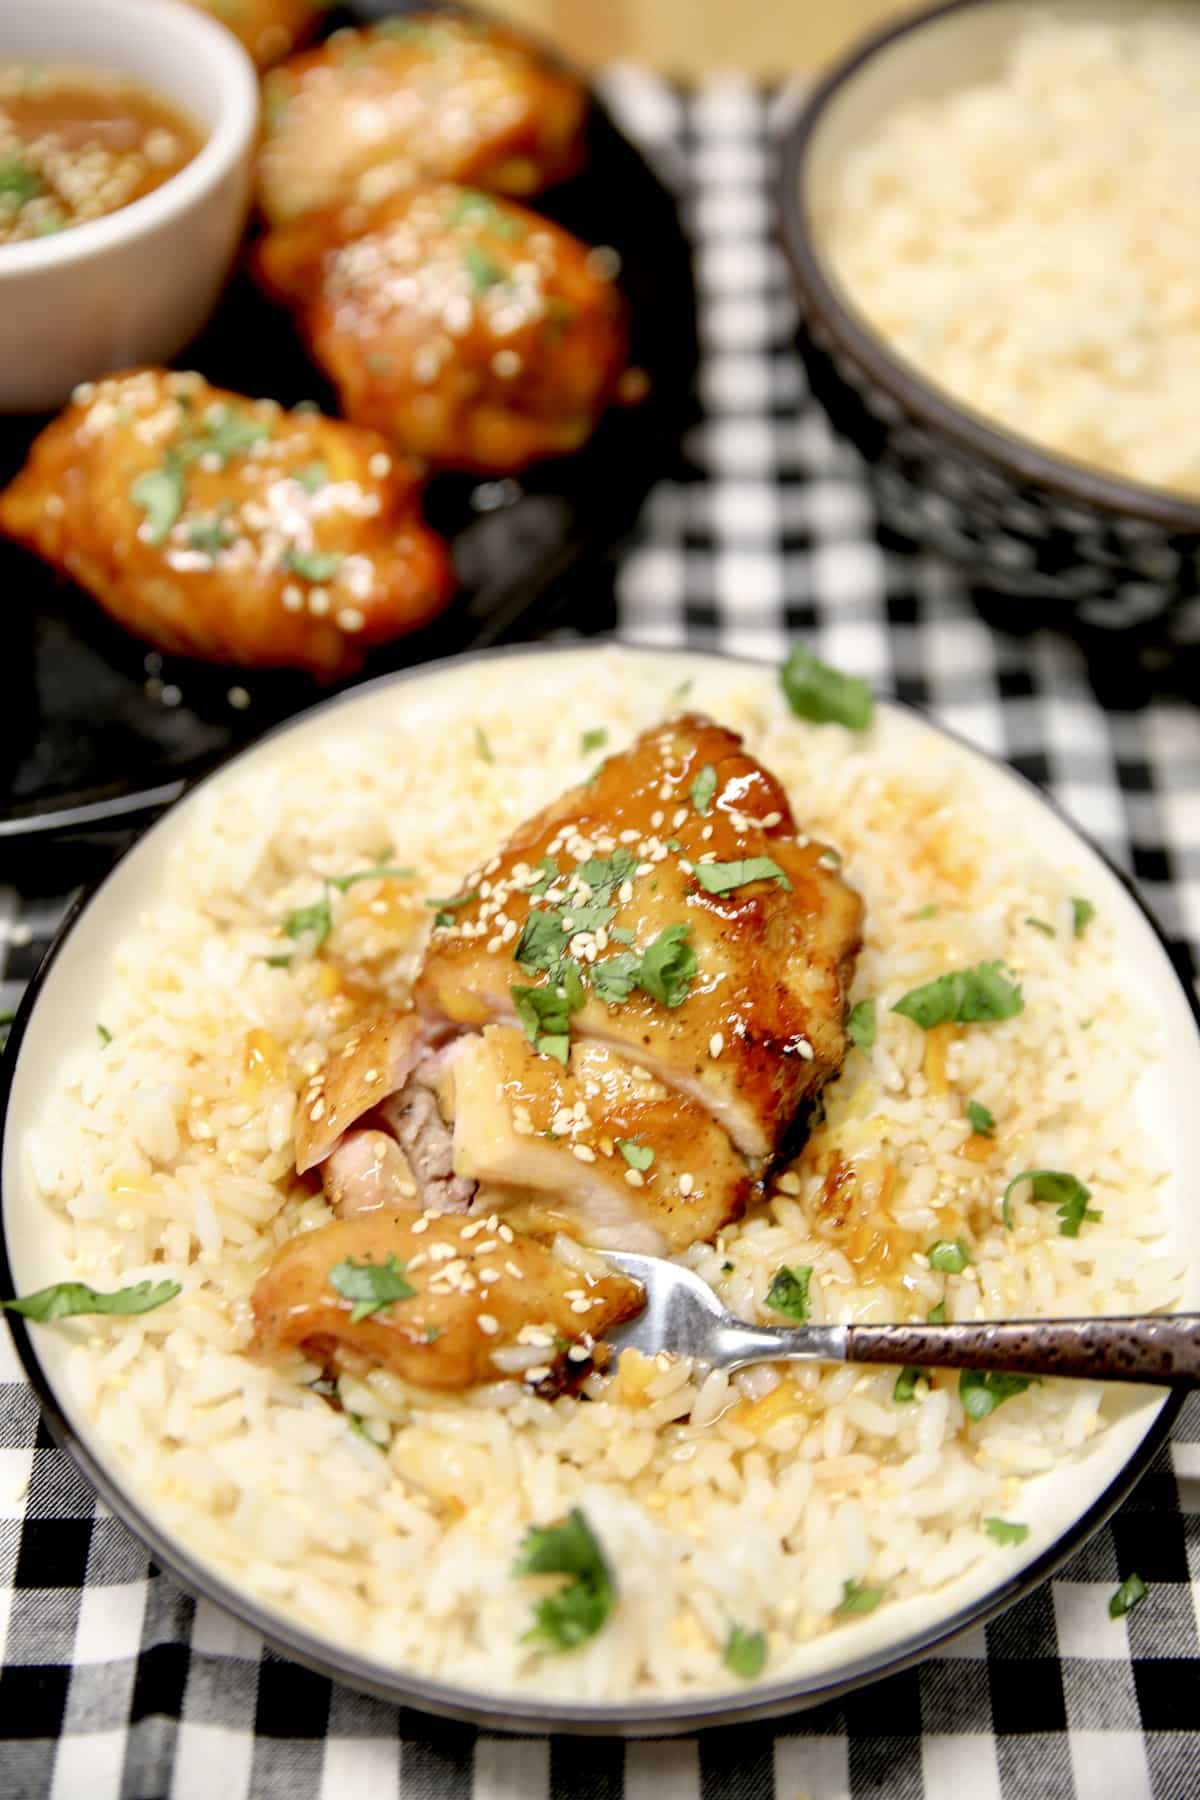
[(114, 1682)]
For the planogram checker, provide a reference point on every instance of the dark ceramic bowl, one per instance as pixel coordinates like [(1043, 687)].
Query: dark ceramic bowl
[(1085, 547)]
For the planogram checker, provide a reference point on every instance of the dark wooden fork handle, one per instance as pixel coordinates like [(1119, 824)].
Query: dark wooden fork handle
[(1164, 1351)]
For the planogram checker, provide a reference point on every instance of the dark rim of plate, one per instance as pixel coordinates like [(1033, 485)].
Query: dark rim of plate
[(672, 1717), (931, 405)]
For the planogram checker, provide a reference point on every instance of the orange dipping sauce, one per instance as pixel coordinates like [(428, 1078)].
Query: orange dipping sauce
[(78, 143)]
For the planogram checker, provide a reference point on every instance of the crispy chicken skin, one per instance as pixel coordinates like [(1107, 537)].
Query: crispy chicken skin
[(762, 1025), (471, 331), (559, 1138), (223, 528), (370, 112), (268, 29), (476, 1291)]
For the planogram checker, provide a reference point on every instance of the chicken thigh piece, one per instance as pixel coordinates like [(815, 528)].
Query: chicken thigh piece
[(472, 332), (673, 911), (371, 112), (600, 1150), (224, 528), (268, 29), (463, 1291)]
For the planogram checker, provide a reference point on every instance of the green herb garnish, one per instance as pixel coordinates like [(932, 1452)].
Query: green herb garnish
[(745, 1653), (936, 1314), (159, 495), (1004, 1532), (722, 878), (858, 1599), (469, 205), (67, 1299), (18, 183), (668, 966), (371, 1286), (788, 1292), (824, 695), (546, 879), (378, 872), (317, 919), (103, 1033), (448, 908), (963, 997), (948, 1258), (860, 1025), (210, 533), (638, 1156), (980, 1119), (604, 874), (906, 1383), (483, 270), (981, 1394), (482, 747), (1041, 925), (1131, 1593), (1057, 1188), (593, 740), (546, 1016), (703, 788), (576, 1612), (312, 565), (226, 434), (312, 478), (1082, 914)]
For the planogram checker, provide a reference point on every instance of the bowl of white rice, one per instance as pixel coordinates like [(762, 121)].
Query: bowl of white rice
[(773, 1538), (993, 235)]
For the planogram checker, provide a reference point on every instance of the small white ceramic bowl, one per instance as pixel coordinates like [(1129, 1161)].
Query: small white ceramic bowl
[(135, 286)]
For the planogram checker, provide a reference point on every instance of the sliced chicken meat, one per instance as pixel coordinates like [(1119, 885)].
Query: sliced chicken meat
[(680, 916), (599, 1150), (467, 1294)]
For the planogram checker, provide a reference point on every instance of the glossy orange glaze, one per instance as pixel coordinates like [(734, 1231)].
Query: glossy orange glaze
[(300, 548), (442, 1337), (471, 331), (269, 29), (852, 1214), (370, 112), (762, 1025), (77, 143), (370, 1063), (522, 1120)]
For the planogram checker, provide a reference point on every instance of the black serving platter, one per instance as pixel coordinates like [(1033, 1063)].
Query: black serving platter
[(99, 729)]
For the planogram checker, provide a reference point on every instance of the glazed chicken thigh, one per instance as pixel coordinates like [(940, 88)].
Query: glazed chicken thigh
[(615, 1026), (370, 112)]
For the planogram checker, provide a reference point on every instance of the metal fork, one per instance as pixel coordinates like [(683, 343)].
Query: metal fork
[(683, 1315)]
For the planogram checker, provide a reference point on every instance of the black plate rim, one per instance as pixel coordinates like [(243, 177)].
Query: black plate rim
[(511, 1713)]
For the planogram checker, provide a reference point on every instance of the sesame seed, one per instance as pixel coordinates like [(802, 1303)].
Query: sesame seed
[(804, 1050), (772, 819), (473, 1229), (625, 892), (657, 819), (506, 363), (582, 1154), (505, 1232), (686, 1184), (706, 833), (238, 698), (487, 1324), (317, 1111), (421, 1224), (293, 599), (379, 465), (318, 603), (716, 1044), (538, 1373), (679, 817), (351, 619), (635, 1178)]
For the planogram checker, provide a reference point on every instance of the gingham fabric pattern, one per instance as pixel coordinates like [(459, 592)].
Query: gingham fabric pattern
[(115, 1682)]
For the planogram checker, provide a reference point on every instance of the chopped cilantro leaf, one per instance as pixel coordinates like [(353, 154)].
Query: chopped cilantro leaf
[(470, 206), (788, 1293), (1041, 925), (483, 269), (936, 1314), (210, 533), (482, 747), (278, 962), (604, 874), (981, 1394), (1057, 1188), (448, 908), (722, 878), (638, 1156), (906, 1383), (67, 1299), (858, 1599), (703, 788), (313, 477), (371, 1286), (312, 565), (546, 879), (593, 740), (379, 872), (727, 1268), (621, 933), (567, 1618), (226, 434), (668, 966), (546, 1017), (964, 997), (860, 1025), (1082, 914), (925, 912), (949, 1258), (1005, 1532), (614, 979), (1131, 1593), (18, 183), (158, 493), (980, 1119), (357, 1423), (317, 918), (103, 1033), (824, 695), (745, 1653)]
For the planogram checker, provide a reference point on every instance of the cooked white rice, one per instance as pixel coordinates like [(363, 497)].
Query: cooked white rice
[(1031, 242), (751, 1501)]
